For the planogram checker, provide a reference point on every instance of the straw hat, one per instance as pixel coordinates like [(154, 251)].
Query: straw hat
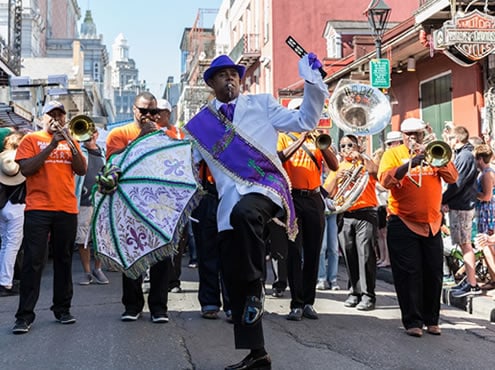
[(10, 173)]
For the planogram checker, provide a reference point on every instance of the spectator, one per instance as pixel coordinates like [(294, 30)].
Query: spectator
[(12, 184), (458, 200), (48, 159), (95, 158)]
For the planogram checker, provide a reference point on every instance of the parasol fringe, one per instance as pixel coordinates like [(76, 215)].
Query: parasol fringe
[(167, 250)]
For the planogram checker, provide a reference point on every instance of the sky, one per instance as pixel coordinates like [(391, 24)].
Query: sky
[(153, 29)]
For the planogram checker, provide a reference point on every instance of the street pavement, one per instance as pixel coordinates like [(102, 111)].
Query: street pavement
[(342, 338)]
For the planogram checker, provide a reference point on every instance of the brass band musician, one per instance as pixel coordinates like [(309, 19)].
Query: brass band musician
[(413, 228), (358, 233), (48, 159)]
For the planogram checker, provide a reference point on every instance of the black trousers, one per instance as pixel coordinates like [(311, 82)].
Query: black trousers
[(243, 261), (61, 228), (304, 252), (211, 286), (278, 245), (417, 270), (132, 292)]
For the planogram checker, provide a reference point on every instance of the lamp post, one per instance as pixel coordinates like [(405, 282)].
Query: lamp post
[(378, 13)]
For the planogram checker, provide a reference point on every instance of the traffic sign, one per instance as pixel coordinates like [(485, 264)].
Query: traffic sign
[(380, 73)]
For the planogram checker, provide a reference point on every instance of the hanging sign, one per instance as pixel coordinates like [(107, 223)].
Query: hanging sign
[(472, 34)]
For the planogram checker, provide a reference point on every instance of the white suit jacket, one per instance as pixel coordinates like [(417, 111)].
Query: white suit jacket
[(258, 118)]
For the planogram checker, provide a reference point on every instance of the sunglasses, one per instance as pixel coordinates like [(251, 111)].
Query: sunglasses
[(348, 145), (145, 111), (390, 144), (416, 133)]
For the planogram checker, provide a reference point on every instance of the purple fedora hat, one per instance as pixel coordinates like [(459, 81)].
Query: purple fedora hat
[(222, 62)]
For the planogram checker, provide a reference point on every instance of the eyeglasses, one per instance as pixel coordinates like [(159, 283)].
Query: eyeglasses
[(348, 145), (145, 111)]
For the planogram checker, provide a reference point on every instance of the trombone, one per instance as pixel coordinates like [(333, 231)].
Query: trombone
[(437, 154), (81, 127)]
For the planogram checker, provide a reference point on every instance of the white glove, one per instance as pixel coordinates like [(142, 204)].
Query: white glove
[(309, 74)]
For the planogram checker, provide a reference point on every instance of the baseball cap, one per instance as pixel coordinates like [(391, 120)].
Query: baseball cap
[(51, 105), (412, 125), (393, 136), (163, 104)]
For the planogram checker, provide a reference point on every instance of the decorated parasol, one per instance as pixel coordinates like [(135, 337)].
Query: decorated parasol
[(144, 197)]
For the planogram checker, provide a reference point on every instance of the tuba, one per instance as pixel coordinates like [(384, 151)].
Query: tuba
[(360, 110), (81, 127)]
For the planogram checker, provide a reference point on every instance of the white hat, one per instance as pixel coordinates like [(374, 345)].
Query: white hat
[(412, 125), (10, 173), (295, 103), (393, 136), (163, 104), (51, 105)]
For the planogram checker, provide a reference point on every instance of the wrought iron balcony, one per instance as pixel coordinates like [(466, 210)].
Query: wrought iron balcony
[(247, 51), (7, 56)]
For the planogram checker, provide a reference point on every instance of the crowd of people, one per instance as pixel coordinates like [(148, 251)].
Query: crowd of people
[(272, 190)]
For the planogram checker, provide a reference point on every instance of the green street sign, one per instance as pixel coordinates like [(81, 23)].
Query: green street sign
[(380, 73)]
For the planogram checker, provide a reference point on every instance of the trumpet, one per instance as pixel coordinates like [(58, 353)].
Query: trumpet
[(322, 141)]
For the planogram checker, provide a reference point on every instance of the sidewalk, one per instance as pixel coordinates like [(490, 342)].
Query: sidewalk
[(481, 306)]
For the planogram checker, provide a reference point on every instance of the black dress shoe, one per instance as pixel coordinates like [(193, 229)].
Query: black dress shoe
[(261, 363), (253, 310)]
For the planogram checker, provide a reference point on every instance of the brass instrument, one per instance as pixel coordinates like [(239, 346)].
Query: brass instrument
[(322, 141), (350, 188), (81, 127), (56, 127), (359, 109), (437, 154)]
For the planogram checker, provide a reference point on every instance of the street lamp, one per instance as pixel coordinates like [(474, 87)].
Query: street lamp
[(378, 13)]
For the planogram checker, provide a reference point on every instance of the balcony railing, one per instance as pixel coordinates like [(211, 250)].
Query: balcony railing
[(9, 58), (247, 50)]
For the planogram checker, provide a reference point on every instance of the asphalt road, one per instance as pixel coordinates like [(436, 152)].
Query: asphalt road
[(342, 338)]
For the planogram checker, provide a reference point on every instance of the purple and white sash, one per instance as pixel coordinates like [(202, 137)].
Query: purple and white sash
[(216, 139)]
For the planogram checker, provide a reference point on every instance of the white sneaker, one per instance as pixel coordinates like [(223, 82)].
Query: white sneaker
[(322, 285)]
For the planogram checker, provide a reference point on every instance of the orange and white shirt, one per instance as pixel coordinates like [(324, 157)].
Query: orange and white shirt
[(51, 188), (302, 170)]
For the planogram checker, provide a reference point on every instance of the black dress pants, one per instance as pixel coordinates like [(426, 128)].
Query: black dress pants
[(211, 287), (417, 263), (304, 252), (243, 261), (38, 227), (132, 297)]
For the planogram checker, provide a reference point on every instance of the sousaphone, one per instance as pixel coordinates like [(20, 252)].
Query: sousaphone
[(359, 109)]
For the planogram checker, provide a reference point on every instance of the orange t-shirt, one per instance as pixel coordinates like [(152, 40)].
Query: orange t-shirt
[(174, 133), (302, 170), (418, 207), (121, 136), (51, 188), (368, 196)]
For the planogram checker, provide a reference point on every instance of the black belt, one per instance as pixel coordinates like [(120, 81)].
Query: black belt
[(305, 192)]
